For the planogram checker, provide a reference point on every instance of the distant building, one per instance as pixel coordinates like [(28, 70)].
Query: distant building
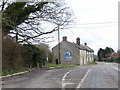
[(74, 53), (114, 54)]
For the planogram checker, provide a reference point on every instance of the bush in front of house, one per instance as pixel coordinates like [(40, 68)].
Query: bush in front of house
[(116, 59)]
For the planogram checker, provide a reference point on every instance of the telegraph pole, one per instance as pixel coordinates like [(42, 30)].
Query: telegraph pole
[(59, 44)]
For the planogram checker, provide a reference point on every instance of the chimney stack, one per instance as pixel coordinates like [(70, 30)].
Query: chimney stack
[(65, 38), (85, 44), (78, 41)]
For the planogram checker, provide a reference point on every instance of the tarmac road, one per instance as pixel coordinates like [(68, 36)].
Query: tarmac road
[(102, 75)]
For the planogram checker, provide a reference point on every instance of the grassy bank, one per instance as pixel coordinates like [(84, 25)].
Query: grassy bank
[(51, 65), (90, 63), (0, 73), (12, 71)]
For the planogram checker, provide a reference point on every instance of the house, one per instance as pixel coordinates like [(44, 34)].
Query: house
[(114, 54), (67, 52)]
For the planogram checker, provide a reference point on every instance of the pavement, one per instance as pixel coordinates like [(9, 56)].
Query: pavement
[(101, 75)]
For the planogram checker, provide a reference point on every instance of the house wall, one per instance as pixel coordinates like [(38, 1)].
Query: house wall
[(82, 57), (67, 47), (79, 56), (90, 56)]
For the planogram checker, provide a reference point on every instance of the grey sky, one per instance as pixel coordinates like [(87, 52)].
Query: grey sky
[(88, 12)]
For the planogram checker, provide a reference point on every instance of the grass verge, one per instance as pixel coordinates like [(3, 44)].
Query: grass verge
[(90, 63), (51, 65), (12, 71)]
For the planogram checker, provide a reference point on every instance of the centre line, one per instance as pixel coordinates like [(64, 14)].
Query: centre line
[(82, 80)]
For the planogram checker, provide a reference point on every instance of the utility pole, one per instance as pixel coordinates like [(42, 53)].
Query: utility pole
[(59, 44)]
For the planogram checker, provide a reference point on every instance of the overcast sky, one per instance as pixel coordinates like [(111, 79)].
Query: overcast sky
[(96, 23)]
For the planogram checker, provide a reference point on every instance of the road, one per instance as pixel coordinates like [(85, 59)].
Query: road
[(101, 75)]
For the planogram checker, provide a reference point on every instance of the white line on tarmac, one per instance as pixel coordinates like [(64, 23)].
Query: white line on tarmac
[(63, 79), (82, 80), (14, 74), (116, 68)]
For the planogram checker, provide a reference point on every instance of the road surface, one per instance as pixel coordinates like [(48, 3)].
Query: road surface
[(101, 75)]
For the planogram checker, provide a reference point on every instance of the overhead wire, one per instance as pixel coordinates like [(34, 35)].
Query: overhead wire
[(98, 23), (88, 25)]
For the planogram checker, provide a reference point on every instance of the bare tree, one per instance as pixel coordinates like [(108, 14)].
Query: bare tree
[(54, 14)]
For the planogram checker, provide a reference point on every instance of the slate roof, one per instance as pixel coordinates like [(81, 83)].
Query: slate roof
[(89, 49), (82, 47)]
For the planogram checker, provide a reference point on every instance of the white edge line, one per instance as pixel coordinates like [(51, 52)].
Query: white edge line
[(116, 68), (14, 74), (82, 80)]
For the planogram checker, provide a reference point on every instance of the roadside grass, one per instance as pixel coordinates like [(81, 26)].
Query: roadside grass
[(52, 65), (13, 71), (90, 63), (0, 73), (49, 66)]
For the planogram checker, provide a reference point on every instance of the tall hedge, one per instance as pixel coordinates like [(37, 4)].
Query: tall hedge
[(16, 56), (11, 54), (32, 55)]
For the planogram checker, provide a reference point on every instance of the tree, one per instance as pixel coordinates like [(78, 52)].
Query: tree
[(16, 13), (24, 20), (108, 52), (51, 57), (45, 47), (33, 55), (100, 54), (104, 53), (118, 51)]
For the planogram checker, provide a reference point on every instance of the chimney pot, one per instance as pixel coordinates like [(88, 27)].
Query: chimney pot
[(65, 38), (85, 44), (78, 41)]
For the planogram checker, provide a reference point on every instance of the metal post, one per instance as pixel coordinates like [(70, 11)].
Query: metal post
[(59, 44)]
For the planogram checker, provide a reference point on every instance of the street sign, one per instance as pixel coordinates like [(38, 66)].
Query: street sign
[(67, 56)]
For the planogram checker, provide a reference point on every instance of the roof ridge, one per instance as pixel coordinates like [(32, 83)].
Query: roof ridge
[(81, 46)]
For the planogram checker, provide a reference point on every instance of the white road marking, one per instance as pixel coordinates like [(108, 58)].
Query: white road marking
[(116, 68), (63, 79), (51, 70), (69, 83), (82, 80), (14, 74)]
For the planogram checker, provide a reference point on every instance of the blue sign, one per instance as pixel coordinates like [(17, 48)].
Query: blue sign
[(68, 56)]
